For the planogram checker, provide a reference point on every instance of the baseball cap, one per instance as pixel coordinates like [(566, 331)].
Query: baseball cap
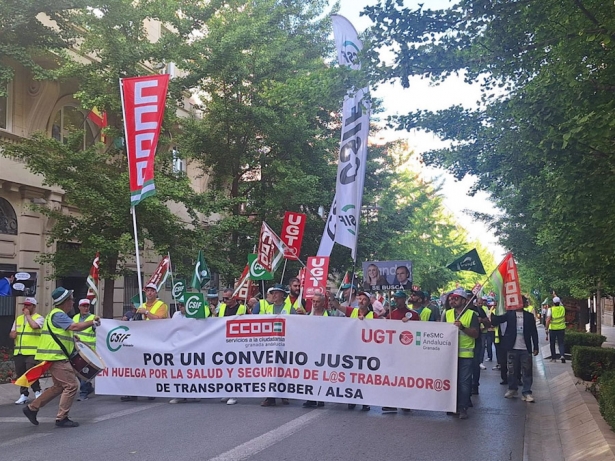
[(557, 300), (60, 294), (277, 287), (460, 292), (30, 301), (84, 302), (152, 285), (400, 294)]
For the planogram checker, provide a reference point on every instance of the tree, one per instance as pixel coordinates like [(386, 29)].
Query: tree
[(95, 180), (545, 124)]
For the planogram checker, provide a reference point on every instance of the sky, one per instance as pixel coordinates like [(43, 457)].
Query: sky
[(422, 95)]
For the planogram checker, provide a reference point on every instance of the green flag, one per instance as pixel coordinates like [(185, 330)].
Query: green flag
[(136, 300), (257, 272), (195, 305), (468, 262), (179, 287), (201, 274)]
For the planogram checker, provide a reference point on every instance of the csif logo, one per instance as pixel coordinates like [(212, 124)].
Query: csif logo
[(193, 304), (116, 338), (349, 219)]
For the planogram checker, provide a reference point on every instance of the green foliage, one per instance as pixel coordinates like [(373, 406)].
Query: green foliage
[(606, 398), (544, 126), (576, 338), (588, 363)]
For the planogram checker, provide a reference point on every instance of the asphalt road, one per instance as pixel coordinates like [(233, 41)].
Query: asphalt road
[(210, 430)]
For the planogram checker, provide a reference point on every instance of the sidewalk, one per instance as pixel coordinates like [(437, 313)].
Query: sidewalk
[(565, 422)]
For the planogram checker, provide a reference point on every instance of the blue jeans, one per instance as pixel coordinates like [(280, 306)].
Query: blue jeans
[(464, 382), (85, 388), (519, 360)]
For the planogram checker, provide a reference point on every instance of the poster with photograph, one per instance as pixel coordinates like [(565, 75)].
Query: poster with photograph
[(387, 275), (18, 283)]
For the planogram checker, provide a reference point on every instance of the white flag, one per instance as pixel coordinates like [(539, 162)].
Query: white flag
[(343, 221)]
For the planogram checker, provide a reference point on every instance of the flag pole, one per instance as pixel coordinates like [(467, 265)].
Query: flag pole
[(138, 259), (172, 282), (474, 294), (283, 270)]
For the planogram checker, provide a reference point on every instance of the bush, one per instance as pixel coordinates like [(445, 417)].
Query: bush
[(606, 400), (589, 363), (577, 338)]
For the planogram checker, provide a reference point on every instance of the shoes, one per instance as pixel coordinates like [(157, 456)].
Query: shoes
[(463, 413), (268, 403), (37, 394), (389, 410), (231, 401), (363, 408), (66, 423), (224, 399), (178, 400), (128, 398), (527, 398), (310, 404), (30, 414), (82, 397), (563, 360), (497, 367), (352, 406), (21, 400), (510, 393), (482, 367), (285, 402)]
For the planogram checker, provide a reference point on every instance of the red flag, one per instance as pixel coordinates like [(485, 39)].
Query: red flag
[(292, 234), (317, 272), (270, 249), (34, 373), (243, 287), (159, 277), (506, 281), (93, 280), (143, 101)]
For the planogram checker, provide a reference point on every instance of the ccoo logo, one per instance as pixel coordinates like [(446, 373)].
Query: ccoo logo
[(116, 338)]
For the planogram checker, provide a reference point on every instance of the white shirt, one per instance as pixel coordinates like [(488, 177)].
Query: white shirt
[(520, 340), (179, 315), (378, 308), (40, 321)]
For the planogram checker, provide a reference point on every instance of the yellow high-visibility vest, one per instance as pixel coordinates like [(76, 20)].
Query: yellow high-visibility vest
[(48, 349), (27, 338)]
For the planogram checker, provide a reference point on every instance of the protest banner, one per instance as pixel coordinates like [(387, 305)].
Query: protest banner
[(371, 362)]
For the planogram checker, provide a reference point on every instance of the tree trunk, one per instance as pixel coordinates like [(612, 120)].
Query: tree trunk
[(108, 291), (599, 310)]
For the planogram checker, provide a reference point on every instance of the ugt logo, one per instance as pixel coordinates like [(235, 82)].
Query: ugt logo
[(116, 338)]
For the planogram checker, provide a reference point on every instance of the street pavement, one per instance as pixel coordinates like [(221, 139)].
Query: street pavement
[(564, 424), (211, 430)]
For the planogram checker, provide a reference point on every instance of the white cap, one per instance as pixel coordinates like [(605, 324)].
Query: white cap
[(152, 285), (557, 300), (84, 302), (30, 301)]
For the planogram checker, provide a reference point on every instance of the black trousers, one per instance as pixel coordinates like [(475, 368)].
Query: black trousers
[(22, 364)]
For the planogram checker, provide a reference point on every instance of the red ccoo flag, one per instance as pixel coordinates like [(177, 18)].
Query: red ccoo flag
[(92, 280), (99, 119)]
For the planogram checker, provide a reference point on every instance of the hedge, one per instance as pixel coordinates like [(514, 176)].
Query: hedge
[(577, 338), (606, 401), (588, 363)]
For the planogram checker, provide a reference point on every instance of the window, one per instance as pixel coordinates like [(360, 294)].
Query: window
[(8, 218), (70, 120), (179, 164), (5, 110)]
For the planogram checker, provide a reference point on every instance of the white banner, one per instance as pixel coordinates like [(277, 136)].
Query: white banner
[(332, 359), (343, 220)]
